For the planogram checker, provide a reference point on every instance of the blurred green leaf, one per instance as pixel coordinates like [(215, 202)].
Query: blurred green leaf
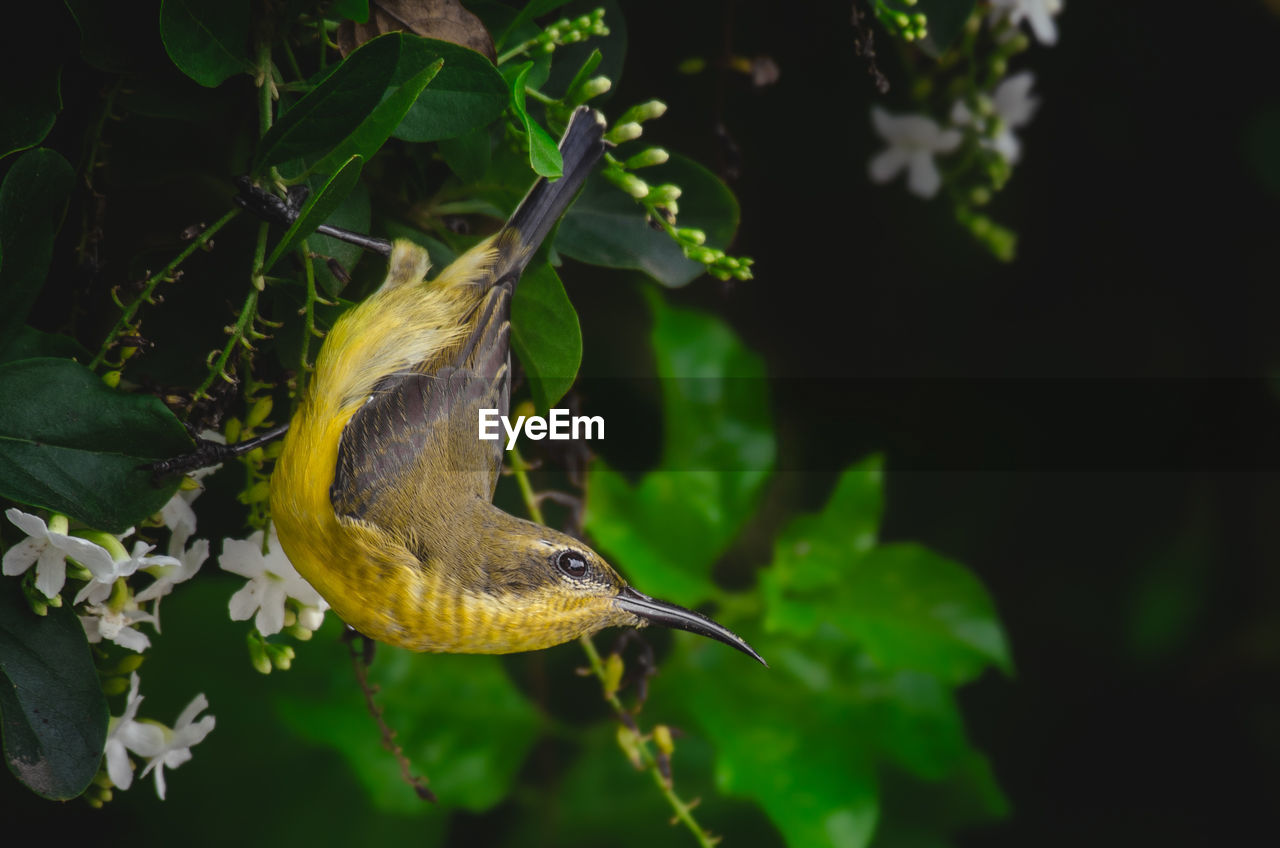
[(910, 608), (325, 116), (28, 111), (545, 335), (70, 444), (33, 199), (207, 39), (319, 206), (667, 531), (52, 712), (807, 761), (459, 719), (607, 227), (468, 94), (367, 138), (946, 20)]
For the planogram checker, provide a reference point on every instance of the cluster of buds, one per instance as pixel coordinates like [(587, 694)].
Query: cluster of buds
[(569, 31), (909, 26)]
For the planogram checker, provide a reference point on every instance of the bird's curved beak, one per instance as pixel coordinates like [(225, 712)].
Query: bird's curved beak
[(670, 615)]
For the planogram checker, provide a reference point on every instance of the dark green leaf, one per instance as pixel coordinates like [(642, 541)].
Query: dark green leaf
[(467, 155), (118, 37), (469, 93), (471, 739), (607, 227), (70, 444), (946, 18), (33, 198), (352, 214), (367, 138), (207, 39), (544, 156), (545, 335), (337, 106), (718, 448), (52, 712), (319, 206), (28, 111), (352, 10), (29, 343)]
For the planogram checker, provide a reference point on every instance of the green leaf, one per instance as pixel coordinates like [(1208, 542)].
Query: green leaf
[(52, 713), (352, 214), (352, 10), (607, 227), (33, 199), (545, 335), (325, 116), (812, 772), (319, 206), (70, 444), (469, 93), (468, 155), (207, 39), (29, 343), (946, 20), (28, 111), (367, 138), (912, 609), (667, 531), (459, 719), (544, 156)]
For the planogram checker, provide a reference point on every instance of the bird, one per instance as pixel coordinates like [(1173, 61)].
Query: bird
[(382, 496)]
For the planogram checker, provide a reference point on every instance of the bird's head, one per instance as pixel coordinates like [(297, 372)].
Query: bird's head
[(558, 589)]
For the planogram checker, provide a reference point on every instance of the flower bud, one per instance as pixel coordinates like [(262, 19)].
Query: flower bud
[(691, 235), (648, 157), (258, 412), (594, 87), (624, 132), (664, 193)]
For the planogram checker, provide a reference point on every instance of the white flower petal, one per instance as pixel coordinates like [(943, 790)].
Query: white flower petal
[(886, 165), (270, 618), (244, 602), (51, 573), (22, 556), (30, 524), (923, 178)]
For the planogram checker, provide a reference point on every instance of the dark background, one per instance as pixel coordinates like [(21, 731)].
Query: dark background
[(1090, 428)]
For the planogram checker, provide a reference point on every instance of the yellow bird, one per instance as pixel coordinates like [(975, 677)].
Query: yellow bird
[(382, 495)]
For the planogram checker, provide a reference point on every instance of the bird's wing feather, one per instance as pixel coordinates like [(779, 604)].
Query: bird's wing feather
[(425, 421)]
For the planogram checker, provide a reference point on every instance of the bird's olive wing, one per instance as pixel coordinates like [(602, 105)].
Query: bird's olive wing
[(421, 425)]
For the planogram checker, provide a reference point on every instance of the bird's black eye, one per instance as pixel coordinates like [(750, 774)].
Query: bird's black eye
[(572, 563)]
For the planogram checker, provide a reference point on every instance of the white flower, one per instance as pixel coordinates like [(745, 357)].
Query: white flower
[(1015, 106), (178, 514), (1038, 13), (182, 568), (272, 580), (176, 747), (1012, 106), (106, 621), (913, 141), (48, 550), (125, 734), (98, 589)]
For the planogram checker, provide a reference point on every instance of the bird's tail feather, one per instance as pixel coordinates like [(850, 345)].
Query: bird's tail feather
[(580, 147)]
